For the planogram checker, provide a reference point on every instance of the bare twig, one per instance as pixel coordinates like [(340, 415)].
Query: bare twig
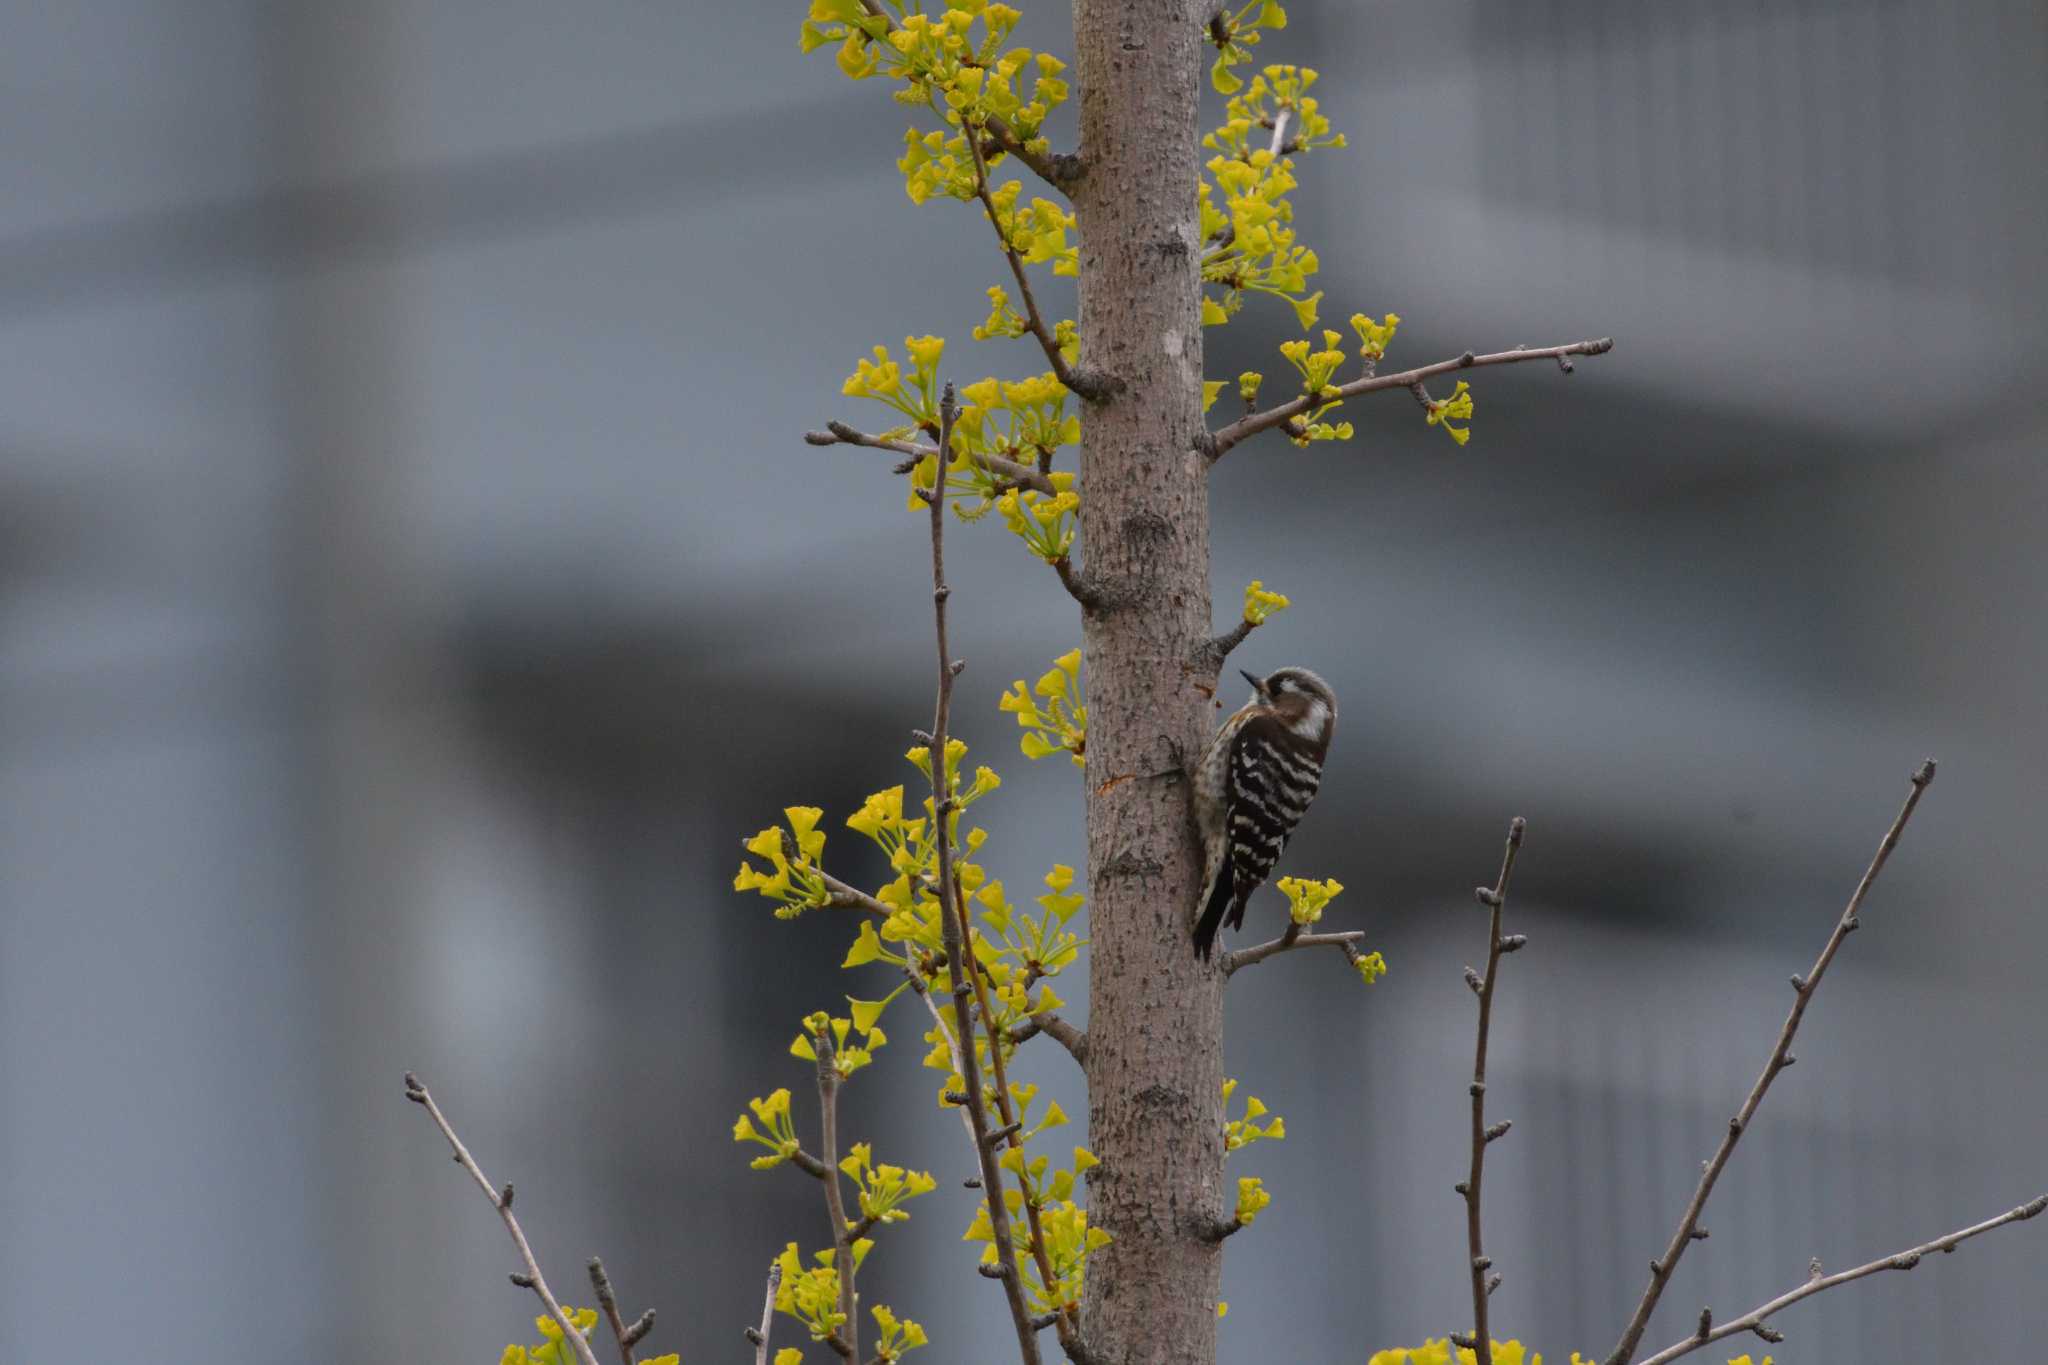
[(1780, 1058), (1347, 942), (759, 1336), (1089, 385), (845, 897), (1076, 583), (1218, 648), (1254, 423), (1074, 1040), (1495, 899), (957, 967), (846, 1341), (530, 1278), (1755, 1319), (1279, 143), (627, 1336), (1001, 468)]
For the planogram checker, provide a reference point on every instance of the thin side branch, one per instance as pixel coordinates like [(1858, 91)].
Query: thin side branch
[(957, 967), (846, 1341), (759, 1336), (1074, 1040), (846, 897), (1077, 585), (1092, 387), (1254, 423), (531, 1278), (1780, 1058), (1004, 470), (1755, 1319), (1218, 648), (627, 1336), (1495, 898), (1347, 942)]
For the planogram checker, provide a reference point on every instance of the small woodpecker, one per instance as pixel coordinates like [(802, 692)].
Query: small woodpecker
[(1253, 787)]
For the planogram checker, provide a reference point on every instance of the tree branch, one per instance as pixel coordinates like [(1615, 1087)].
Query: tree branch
[(502, 1202), (759, 1336), (957, 967), (1754, 1319), (1074, 1040), (1004, 470), (1077, 585), (1254, 423), (1780, 1058), (627, 1337), (1347, 941), (847, 897), (1495, 899), (846, 1341), (1218, 647), (1089, 385)]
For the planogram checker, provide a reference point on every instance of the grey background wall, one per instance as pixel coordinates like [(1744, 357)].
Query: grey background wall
[(411, 586)]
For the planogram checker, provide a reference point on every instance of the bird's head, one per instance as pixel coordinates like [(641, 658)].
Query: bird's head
[(1303, 701)]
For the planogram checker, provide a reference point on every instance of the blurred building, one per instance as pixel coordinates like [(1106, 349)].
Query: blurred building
[(412, 588)]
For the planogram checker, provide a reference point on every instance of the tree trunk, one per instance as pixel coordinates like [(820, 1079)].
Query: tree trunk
[(1155, 1023)]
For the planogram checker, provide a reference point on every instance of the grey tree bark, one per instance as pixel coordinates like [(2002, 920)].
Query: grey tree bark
[(1155, 1026)]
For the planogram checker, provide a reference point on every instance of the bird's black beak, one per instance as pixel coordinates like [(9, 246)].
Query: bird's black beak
[(1258, 683)]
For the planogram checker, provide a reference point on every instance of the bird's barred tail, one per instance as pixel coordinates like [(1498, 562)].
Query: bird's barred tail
[(1220, 900)]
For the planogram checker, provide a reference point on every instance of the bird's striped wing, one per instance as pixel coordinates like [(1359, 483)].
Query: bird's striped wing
[(1272, 781)]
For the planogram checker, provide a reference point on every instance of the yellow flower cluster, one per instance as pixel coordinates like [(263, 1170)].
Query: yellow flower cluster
[(1374, 337), (883, 1189), (1056, 720), (1245, 1131), (1306, 899), (882, 379), (847, 1058), (1039, 232), (795, 879), (1371, 967), (1046, 525), (945, 66), (1252, 247), (1026, 422), (1458, 406), (1252, 1199), (553, 1350), (1260, 604), (810, 1294), (780, 1139), (1440, 1352), (1235, 35), (1275, 91), (1068, 1238), (897, 1335), (1317, 368)]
